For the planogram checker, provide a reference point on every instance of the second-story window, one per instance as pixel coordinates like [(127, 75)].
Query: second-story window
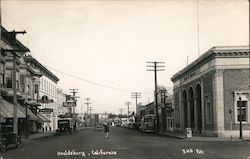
[(1, 74), (41, 84), (22, 83), (36, 89), (9, 78)]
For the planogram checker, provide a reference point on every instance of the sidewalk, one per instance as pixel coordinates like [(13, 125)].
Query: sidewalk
[(45, 134), (181, 135)]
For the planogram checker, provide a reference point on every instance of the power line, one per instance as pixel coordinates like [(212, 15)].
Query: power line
[(13, 20), (198, 27), (88, 81)]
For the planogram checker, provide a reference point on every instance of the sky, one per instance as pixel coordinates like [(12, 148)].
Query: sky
[(109, 42)]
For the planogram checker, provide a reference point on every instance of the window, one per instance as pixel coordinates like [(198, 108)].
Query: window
[(36, 88), (9, 78), (243, 111), (42, 84), (45, 85), (28, 88), (22, 83), (1, 74), (242, 96), (208, 109), (208, 113)]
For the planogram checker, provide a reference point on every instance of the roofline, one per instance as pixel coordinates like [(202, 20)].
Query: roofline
[(42, 68), (214, 50), (4, 33)]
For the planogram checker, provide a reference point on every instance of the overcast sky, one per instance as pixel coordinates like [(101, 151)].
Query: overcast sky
[(109, 42)]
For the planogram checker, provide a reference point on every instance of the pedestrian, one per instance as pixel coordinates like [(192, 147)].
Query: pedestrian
[(106, 130), (74, 126)]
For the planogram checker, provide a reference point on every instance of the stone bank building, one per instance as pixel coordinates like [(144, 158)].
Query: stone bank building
[(207, 91)]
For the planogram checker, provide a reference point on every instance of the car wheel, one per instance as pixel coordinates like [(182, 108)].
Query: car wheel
[(3, 147), (18, 142)]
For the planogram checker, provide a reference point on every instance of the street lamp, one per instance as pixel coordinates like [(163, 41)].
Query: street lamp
[(240, 116)]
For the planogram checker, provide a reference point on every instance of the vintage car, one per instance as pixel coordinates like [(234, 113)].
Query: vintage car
[(147, 127), (8, 138), (98, 127), (65, 125)]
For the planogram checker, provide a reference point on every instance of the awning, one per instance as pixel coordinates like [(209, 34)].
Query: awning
[(31, 115), (42, 117), (6, 110)]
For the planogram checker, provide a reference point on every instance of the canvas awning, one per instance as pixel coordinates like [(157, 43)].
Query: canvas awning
[(6, 110), (42, 117), (30, 114)]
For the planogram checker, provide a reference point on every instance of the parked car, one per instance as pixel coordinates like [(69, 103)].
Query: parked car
[(98, 127), (136, 125), (2, 145), (147, 127), (130, 125), (8, 138)]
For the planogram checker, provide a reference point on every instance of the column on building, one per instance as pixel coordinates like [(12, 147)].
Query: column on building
[(218, 98)]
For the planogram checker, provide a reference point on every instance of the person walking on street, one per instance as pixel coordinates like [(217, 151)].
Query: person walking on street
[(106, 130)]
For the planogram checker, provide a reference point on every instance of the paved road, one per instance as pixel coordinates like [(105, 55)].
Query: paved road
[(125, 144)]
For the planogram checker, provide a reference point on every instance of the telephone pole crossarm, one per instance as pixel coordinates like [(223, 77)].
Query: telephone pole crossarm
[(156, 65)]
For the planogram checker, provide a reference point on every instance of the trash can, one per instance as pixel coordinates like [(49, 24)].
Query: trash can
[(188, 133)]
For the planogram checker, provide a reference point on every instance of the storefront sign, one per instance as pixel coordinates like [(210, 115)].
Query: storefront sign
[(46, 110)]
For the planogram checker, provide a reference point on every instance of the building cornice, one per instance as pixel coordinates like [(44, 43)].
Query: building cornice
[(43, 70), (215, 52)]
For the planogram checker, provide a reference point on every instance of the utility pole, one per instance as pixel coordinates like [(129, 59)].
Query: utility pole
[(155, 65), (74, 91), (127, 103), (12, 36), (121, 109), (136, 95), (90, 109), (88, 103)]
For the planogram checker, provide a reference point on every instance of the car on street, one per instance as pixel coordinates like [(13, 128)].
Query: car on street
[(98, 127), (65, 125), (147, 127), (8, 138)]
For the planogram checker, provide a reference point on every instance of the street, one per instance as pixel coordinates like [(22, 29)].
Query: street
[(124, 144)]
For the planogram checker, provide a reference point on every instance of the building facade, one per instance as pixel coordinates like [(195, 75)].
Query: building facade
[(207, 91), (26, 82), (47, 88)]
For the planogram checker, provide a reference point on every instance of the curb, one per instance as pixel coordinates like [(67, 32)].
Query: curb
[(52, 134), (174, 136)]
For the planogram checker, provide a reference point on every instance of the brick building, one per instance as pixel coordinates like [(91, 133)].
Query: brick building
[(206, 93)]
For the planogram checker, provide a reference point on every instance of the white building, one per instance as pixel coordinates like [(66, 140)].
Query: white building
[(48, 87)]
